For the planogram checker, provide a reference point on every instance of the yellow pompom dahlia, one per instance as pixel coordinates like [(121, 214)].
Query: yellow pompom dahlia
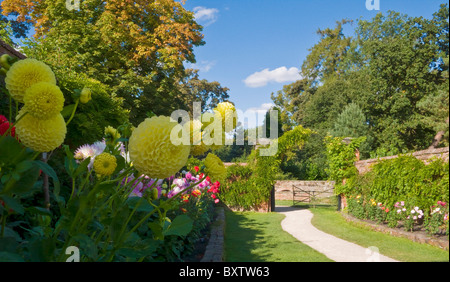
[(25, 73), (228, 112), (41, 135), (151, 150), (194, 127), (105, 164), (215, 168), (43, 100)]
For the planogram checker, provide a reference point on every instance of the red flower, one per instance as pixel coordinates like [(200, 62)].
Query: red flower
[(5, 126), (3, 119), (196, 168), (196, 193)]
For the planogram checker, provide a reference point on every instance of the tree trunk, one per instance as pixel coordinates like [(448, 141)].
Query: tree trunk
[(437, 139)]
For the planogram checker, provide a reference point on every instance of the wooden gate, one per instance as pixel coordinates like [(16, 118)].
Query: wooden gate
[(309, 193)]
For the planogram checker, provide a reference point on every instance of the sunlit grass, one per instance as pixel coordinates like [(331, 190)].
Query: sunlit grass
[(258, 237), (330, 221)]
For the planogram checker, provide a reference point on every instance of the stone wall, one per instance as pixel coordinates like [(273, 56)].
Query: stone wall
[(284, 189), (365, 165)]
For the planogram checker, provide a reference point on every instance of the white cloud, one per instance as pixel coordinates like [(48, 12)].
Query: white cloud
[(263, 108), (254, 117), (280, 75), (204, 66), (205, 15)]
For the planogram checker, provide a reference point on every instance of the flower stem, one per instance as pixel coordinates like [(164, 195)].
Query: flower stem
[(73, 112)]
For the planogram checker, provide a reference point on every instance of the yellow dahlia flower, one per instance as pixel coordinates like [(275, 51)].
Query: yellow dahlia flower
[(111, 133), (152, 151), (194, 127), (105, 164), (215, 168), (25, 73), (41, 135), (43, 100), (227, 111), (85, 95)]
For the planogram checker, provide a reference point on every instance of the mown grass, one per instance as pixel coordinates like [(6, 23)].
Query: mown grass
[(258, 237), (330, 221)]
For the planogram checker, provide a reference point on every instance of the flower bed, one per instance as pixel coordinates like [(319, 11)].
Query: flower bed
[(434, 221), (127, 197)]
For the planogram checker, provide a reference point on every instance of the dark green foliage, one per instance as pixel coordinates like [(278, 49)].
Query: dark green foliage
[(404, 179), (351, 122), (90, 120), (249, 186)]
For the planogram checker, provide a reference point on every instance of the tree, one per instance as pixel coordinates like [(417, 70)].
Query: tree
[(327, 58), (435, 110), (193, 89), (268, 121), (14, 28), (136, 47), (350, 123), (400, 54)]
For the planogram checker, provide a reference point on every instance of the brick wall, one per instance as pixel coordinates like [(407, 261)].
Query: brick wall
[(6, 49), (283, 188), (365, 165)]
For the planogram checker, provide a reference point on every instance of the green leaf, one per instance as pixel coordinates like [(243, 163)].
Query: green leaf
[(8, 244), (120, 164), (39, 210), (144, 206), (82, 167), (13, 204), (26, 181), (23, 166), (50, 172), (10, 257), (41, 249), (87, 246), (67, 111), (181, 226), (10, 148)]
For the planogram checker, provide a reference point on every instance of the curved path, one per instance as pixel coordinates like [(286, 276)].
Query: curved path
[(298, 223)]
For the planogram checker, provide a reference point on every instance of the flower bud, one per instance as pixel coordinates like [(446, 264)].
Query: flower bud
[(4, 61), (85, 95)]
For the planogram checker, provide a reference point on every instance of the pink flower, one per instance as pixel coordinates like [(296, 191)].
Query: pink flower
[(216, 201)]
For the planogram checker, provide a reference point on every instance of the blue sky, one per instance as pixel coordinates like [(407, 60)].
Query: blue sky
[(254, 47)]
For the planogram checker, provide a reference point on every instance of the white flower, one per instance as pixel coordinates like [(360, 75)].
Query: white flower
[(414, 217), (84, 152), (403, 209), (420, 216), (437, 209), (399, 211), (413, 211), (416, 208)]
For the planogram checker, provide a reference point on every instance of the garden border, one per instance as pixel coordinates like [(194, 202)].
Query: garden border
[(215, 248), (420, 238)]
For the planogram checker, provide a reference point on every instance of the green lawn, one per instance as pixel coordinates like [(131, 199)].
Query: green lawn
[(258, 237), (330, 221)]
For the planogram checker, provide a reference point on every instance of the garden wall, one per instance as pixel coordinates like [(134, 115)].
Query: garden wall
[(283, 188), (365, 165), (6, 49)]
